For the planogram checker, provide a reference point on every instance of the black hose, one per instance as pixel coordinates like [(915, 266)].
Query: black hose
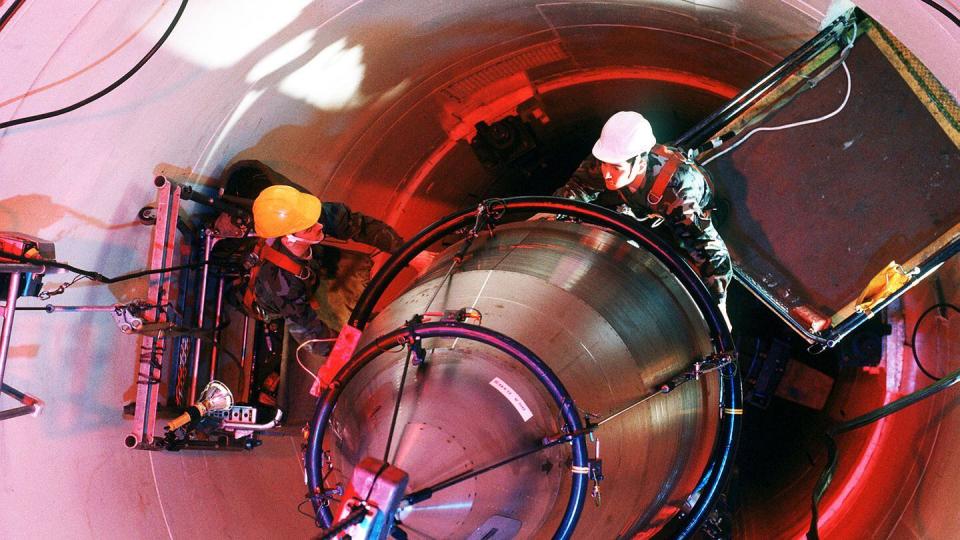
[(9, 12), (357, 515), (953, 18), (107, 90), (832, 458), (916, 328)]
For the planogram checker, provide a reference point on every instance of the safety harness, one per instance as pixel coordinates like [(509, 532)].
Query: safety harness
[(672, 161), (265, 252)]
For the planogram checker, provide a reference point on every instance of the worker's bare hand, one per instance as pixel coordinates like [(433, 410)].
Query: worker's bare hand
[(543, 216)]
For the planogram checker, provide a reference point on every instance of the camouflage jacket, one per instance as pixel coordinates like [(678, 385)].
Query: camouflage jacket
[(683, 207), (280, 293)]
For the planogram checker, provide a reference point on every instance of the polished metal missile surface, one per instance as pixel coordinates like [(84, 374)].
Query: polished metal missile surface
[(608, 319)]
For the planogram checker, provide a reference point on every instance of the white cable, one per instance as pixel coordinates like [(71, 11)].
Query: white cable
[(304, 344), (794, 124)]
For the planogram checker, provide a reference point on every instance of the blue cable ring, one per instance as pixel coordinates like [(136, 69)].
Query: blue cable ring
[(328, 400)]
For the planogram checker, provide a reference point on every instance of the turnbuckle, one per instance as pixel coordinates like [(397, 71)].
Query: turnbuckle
[(488, 213)]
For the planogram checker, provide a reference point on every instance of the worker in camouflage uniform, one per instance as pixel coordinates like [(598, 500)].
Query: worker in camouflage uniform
[(286, 265), (630, 172)]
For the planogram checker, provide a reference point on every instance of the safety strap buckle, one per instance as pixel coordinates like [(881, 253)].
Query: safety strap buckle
[(259, 312), (656, 220), (670, 165), (266, 252)]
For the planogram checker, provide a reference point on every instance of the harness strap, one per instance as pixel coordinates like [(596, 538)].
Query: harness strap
[(250, 297), (673, 160), (265, 252)]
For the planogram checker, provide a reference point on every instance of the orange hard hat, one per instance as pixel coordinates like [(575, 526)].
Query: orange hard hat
[(283, 210)]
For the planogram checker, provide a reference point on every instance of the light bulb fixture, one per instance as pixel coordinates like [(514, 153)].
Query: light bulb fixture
[(216, 396)]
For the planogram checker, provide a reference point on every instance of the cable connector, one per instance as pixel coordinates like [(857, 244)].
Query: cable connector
[(713, 362)]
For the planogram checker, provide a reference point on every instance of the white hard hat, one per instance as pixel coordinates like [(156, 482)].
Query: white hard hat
[(625, 135)]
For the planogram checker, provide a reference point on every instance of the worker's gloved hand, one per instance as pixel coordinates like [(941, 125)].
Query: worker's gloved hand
[(543, 216), (723, 311), (419, 263), (377, 261), (422, 261)]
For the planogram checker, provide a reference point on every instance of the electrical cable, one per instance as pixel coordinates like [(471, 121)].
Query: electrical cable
[(846, 97), (827, 475), (9, 12), (304, 344), (790, 125), (396, 412), (300, 509), (108, 89), (357, 515), (45, 295), (916, 327), (946, 13), (98, 277)]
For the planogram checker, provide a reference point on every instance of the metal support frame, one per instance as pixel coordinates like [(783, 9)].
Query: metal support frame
[(215, 350), (699, 136), (716, 128), (9, 310), (183, 345), (244, 390), (833, 335), (711, 133), (158, 293), (207, 248), (30, 404), (192, 308)]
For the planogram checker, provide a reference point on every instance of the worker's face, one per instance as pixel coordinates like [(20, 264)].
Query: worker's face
[(313, 235), (620, 175)]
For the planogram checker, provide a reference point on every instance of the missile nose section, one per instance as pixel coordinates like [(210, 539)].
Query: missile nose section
[(619, 336)]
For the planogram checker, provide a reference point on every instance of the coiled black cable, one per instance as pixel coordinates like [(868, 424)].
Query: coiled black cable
[(9, 12), (953, 18), (827, 475), (916, 328), (107, 90)]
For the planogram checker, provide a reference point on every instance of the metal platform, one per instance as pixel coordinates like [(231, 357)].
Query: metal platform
[(18, 277), (818, 210)]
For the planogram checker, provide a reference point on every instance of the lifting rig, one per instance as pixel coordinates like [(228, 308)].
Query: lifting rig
[(177, 332), (20, 278), (181, 323)]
